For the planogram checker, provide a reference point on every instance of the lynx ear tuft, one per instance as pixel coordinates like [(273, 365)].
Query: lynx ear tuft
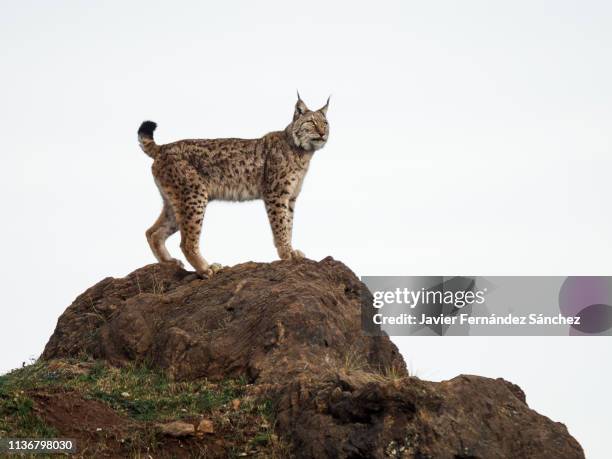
[(323, 109), (300, 107)]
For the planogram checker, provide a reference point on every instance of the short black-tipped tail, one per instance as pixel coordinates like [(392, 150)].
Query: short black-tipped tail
[(146, 129), (145, 138)]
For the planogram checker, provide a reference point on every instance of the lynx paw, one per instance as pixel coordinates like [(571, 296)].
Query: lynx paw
[(215, 267), (290, 254), (210, 271)]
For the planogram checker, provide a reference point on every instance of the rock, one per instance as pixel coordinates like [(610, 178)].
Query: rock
[(206, 426), (268, 322), (466, 417), (293, 329), (177, 429)]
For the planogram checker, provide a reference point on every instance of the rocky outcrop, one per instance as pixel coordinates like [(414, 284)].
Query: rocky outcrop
[(293, 329), (268, 322)]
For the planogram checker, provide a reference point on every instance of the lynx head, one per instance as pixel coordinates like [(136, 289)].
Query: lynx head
[(309, 129)]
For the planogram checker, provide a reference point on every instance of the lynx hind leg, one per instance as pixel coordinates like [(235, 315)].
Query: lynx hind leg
[(162, 229), (190, 209)]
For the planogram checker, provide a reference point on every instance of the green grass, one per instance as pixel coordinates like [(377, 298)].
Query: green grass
[(144, 395), (17, 418), (137, 391)]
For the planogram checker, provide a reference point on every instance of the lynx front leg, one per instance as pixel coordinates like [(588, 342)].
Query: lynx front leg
[(280, 214), (291, 209), (296, 253)]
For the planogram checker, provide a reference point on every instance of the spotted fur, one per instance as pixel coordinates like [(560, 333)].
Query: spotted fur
[(191, 173)]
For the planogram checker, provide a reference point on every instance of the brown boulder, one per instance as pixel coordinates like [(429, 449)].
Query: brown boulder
[(362, 415), (269, 322), (177, 429), (293, 329)]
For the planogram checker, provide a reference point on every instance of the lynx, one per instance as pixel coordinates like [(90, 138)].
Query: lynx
[(191, 173)]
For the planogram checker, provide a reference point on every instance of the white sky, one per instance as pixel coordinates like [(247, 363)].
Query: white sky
[(467, 138)]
